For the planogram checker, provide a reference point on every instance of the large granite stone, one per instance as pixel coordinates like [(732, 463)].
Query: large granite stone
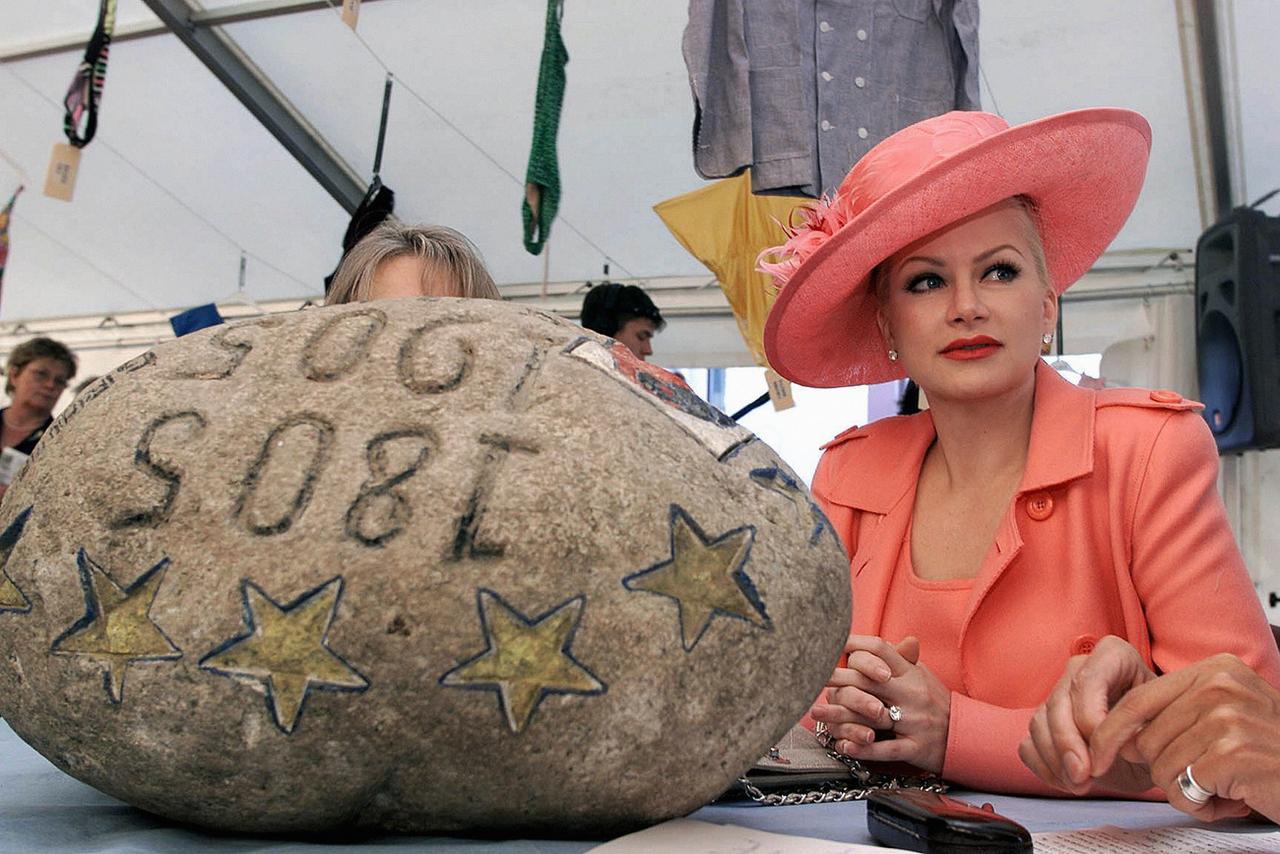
[(428, 565)]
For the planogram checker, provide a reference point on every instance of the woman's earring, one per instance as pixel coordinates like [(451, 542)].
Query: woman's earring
[(1046, 343), (893, 355)]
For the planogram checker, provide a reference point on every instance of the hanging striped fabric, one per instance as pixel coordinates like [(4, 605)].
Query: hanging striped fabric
[(85, 91)]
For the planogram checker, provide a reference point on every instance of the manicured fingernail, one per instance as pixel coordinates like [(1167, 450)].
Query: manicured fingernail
[(883, 674), (869, 737), (1075, 768)]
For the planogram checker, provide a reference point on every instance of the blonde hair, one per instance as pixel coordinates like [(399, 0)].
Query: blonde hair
[(436, 245)]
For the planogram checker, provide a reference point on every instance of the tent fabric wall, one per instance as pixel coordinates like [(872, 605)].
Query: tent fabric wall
[(1250, 486), (181, 178), (1157, 355)]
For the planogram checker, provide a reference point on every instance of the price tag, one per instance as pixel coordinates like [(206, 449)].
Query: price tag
[(64, 163), (350, 12), (779, 391)]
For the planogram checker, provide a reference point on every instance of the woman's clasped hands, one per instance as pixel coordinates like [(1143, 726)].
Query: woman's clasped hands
[(883, 687)]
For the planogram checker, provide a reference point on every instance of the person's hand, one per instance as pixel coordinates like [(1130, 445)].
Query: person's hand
[(858, 697), (1056, 748), (1216, 716)]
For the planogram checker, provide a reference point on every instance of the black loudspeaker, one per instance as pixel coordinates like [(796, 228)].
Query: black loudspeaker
[(1238, 329)]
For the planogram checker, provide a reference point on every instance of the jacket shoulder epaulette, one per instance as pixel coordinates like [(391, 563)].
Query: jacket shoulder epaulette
[(840, 438), (891, 423), (1146, 399)]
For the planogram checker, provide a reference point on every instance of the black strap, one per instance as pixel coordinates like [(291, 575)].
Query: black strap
[(382, 127), (751, 407)]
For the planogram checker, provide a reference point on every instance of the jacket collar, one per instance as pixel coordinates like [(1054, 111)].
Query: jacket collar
[(886, 463), (1061, 432)]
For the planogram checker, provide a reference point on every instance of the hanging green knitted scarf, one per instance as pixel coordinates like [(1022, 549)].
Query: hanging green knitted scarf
[(542, 181)]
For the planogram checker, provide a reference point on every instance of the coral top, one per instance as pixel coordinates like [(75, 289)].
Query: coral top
[(933, 611)]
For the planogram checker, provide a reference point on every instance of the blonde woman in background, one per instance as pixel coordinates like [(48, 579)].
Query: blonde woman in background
[(397, 261)]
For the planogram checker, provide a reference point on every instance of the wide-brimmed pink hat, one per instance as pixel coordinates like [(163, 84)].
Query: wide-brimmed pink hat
[(1082, 169)]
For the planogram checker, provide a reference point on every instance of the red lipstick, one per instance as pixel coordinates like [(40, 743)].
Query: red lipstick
[(977, 347)]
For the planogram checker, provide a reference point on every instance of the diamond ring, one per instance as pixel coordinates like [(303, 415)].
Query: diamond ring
[(895, 714)]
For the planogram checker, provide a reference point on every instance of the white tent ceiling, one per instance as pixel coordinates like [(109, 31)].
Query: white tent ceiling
[(181, 177)]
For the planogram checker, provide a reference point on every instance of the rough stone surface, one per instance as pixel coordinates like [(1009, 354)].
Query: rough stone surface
[(432, 565)]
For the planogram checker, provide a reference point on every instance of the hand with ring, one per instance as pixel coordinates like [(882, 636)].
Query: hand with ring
[(1056, 748), (884, 687), (1210, 733)]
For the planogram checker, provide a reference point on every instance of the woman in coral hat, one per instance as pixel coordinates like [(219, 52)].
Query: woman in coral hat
[(1020, 519)]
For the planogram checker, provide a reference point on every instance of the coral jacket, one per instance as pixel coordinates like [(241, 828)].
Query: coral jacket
[(1117, 528)]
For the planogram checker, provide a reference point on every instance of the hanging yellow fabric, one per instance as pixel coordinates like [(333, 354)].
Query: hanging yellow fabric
[(725, 227)]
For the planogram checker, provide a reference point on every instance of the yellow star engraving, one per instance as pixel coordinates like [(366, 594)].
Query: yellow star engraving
[(11, 598), (525, 659), (287, 650), (705, 577), (116, 629)]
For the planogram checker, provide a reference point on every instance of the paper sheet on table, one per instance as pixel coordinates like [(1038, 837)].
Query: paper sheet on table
[(1163, 840), (689, 836)]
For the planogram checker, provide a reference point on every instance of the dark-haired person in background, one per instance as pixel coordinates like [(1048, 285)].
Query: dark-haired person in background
[(37, 374), (624, 313)]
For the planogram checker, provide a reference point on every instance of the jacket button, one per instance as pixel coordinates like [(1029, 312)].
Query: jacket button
[(1040, 506), (1083, 645), (1165, 396)]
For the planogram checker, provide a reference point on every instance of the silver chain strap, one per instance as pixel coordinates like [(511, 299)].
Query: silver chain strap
[(838, 794), (838, 791)]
